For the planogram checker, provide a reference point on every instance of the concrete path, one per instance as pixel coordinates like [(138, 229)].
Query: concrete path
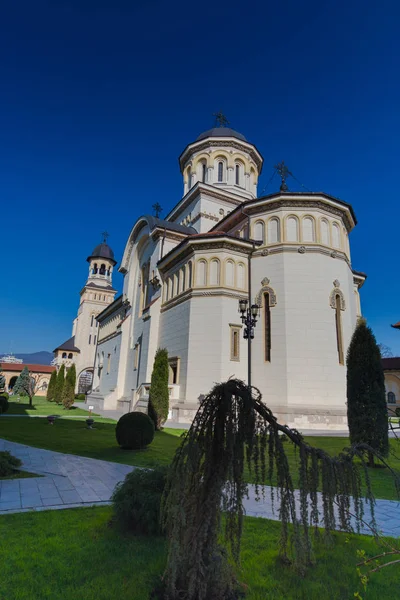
[(70, 481)]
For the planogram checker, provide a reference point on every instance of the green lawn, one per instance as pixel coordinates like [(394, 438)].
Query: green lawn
[(40, 407), (73, 437), (75, 555)]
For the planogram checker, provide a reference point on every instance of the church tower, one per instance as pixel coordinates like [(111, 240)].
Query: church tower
[(96, 294)]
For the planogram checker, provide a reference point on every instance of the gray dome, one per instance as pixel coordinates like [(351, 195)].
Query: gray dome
[(103, 250), (221, 132)]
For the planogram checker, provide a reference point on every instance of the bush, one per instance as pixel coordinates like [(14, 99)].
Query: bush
[(3, 404), (8, 463), (137, 500), (134, 431), (80, 397), (4, 395)]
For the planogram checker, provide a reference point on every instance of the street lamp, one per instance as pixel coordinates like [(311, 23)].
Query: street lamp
[(249, 316)]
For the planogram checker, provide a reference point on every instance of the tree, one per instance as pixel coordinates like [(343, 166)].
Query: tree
[(60, 385), (68, 392), (366, 398), (51, 390), (202, 505), (159, 394), (26, 384), (2, 380), (386, 352)]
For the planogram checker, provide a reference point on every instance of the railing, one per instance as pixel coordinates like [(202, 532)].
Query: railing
[(143, 391)]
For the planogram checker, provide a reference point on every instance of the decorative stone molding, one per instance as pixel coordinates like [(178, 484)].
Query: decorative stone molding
[(210, 143), (334, 254), (265, 252), (266, 289), (301, 250), (337, 292)]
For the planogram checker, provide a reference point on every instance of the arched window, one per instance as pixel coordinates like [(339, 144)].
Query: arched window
[(336, 236), (220, 171), (391, 398), (292, 229), (308, 230), (339, 336), (241, 276), (325, 237), (183, 280), (64, 355), (237, 174), (230, 273), (201, 272), (176, 283), (274, 234), (189, 179), (103, 269), (94, 268), (70, 355), (190, 274), (204, 172), (259, 231), (267, 328), (169, 288), (214, 272)]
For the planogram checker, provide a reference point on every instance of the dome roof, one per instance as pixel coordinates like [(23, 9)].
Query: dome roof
[(103, 250), (221, 132)]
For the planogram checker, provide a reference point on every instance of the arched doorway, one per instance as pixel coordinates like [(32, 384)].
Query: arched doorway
[(12, 382), (85, 381)]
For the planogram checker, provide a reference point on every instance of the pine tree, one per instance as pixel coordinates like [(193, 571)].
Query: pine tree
[(26, 384), (51, 390), (2, 380), (60, 385), (366, 401), (68, 393), (159, 394)]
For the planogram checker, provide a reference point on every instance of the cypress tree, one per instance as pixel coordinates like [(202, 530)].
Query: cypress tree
[(51, 390), (366, 399), (68, 393), (159, 395), (60, 385)]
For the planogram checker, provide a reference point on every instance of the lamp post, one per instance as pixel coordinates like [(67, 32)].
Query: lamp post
[(249, 316)]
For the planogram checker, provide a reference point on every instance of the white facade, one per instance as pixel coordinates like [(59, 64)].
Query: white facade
[(183, 278)]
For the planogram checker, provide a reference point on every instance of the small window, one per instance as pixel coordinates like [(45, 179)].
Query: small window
[(189, 179), (235, 342), (173, 370), (108, 363), (391, 398), (70, 355), (237, 175), (136, 357), (103, 269), (95, 338), (220, 171), (204, 173), (90, 339), (91, 322), (64, 355), (95, 296)]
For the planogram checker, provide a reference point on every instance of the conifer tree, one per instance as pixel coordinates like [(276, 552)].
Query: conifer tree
[(60, 385), (51, 390), (2, 380), (159, 395), (26, 384), (68, 393), (366, 401)]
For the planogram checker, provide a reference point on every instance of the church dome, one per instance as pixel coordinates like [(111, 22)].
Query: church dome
[(103, 250), (221, 132)]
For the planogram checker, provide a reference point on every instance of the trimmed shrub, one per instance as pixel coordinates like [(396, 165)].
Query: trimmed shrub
[(5, 395), (51, 390), (3, 404), (137, 500), (8, 463), (68, 393), (134, 431), (159, 394), (59, 385), (80, 397)]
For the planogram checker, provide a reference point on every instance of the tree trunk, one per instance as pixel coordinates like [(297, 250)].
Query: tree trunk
[(30, 401), (371, 460)]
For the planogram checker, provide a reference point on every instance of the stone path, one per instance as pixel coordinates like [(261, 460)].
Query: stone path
[(70, 481)]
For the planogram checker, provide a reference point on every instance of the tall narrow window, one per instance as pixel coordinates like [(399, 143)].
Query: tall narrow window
[(220, 171), (267, 328), (90, 339), (339, 339), (204, 172), (136, 356), (391, 398), (108, 363), (189, 179), (95, 338), (237, 174), (91, 322), (235, 342)]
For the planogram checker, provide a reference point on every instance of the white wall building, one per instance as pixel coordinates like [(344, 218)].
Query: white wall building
[(96, 294), (184, 276)]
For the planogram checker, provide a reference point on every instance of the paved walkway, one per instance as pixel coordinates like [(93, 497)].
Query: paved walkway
[(70, 481)]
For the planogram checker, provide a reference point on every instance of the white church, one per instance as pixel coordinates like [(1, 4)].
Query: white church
[(185, 275)]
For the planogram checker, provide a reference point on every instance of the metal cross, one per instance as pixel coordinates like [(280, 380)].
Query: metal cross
[(284, 173), (105, 235), (220, 119), (157, 208)]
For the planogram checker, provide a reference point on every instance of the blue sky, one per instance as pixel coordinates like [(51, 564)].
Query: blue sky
[(98, 99)]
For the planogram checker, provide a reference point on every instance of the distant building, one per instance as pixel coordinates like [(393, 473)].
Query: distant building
[(96, 294), (12, 370), (391, 368), (10, 358)]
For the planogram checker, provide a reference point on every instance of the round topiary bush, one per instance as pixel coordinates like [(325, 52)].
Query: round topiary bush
[(3, 404), (8, 463), (80, 397), (5, 395), (134, 431), (137, 500)]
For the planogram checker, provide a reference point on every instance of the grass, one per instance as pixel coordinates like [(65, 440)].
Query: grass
[(75, 555), (73, 437), (41, 406)]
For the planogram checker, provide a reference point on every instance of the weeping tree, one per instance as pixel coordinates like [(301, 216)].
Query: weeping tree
[(367, 412), (233, 428), (51, 390)]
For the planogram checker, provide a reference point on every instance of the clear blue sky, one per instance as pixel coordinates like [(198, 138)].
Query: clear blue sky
[(98, 99)]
